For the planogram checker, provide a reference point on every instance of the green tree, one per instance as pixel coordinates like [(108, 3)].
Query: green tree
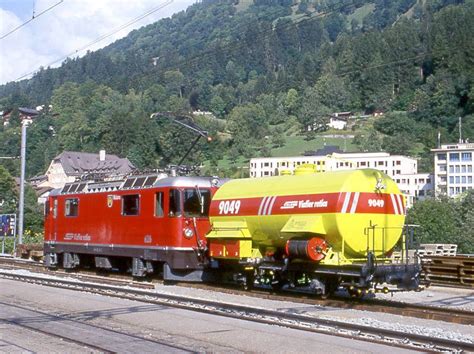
[(437, 220), (8, 195), (291, 101)]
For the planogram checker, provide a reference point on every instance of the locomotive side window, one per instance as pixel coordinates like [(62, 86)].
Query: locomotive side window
[(175, 203), (71, 207), (55, 208), (46, 208), (159, 204), (130, 204), (196, 202)]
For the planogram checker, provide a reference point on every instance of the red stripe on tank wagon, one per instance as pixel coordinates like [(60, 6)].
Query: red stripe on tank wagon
[(345, 203)]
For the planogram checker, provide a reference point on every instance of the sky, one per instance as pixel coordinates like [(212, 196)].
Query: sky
[(67, 27)]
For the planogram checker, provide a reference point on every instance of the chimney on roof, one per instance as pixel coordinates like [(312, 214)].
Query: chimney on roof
[(102, 155)]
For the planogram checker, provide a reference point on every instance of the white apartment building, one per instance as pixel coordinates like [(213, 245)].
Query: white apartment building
[(453, 169), (403, 169), (392, 165), (417, 186)]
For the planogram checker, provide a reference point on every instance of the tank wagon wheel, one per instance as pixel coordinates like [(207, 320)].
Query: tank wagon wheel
[(331, 286), (356, 293), (247, 284)]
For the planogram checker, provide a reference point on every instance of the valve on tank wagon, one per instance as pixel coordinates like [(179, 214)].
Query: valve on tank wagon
[(314, 249)]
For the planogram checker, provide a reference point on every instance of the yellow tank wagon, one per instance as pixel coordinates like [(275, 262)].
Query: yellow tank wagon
[(313, 226)]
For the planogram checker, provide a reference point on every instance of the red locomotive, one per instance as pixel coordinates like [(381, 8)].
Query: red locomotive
[(136, 223)]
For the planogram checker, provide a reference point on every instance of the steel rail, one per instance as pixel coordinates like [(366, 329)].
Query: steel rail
[(450, 315), (80, 342), (274, 317)]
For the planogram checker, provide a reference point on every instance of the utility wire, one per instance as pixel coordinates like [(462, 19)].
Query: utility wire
[(194, 60), (101, 38), (34, 17), (189, 60), (401, 61)]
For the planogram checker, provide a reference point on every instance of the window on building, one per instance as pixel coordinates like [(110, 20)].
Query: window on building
[(196, 202), (398, 162), (442, 157), (380, 163), (421, 193), (454, 156), (266, 164), (71, 207), (428, 180), (458, 169), (469, 168), (398, 172), (443, 178), (451, 179), (451, 169), (159, 204), (130, 204), (451, 190), (442, 168), (266, 173), (469, 179), (463, 179), (458, 190), (466, 156), (363, 163), (458, 180)]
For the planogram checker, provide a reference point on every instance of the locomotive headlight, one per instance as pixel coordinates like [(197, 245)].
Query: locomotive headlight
[(188, 233)]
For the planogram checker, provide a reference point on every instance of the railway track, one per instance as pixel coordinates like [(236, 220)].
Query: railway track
[(91, 336), (373, 305), (260, 315)]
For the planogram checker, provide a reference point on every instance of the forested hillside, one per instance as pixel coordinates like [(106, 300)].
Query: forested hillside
[(266, 69)]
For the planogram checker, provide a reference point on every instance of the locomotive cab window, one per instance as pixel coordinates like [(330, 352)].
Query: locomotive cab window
[(71, 207), (159, 204), (130, 204), (175, 203), (196, 202)]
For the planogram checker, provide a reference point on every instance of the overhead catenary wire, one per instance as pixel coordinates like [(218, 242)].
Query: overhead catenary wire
[(101, 38), (34, 17)]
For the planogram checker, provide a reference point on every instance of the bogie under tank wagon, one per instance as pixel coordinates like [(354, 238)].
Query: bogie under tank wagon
[(312, 231)]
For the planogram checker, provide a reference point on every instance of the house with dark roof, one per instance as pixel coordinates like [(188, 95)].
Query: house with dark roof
[(69, 165), (27, 115)]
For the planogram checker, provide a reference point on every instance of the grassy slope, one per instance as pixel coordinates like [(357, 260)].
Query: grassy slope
[(360, 13), (295, 146)]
